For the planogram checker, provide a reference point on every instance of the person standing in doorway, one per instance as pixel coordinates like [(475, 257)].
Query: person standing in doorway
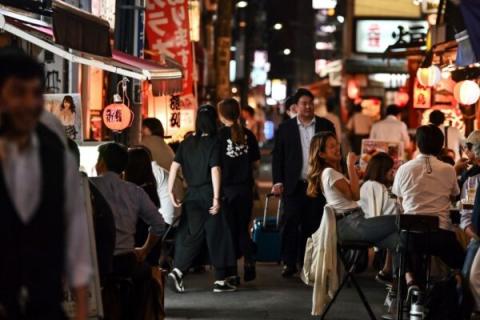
[(43, 223), (302, 214), (240, 155), (359, 127), (199, 158)]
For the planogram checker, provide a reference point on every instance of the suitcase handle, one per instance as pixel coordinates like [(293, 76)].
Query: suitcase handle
[(267, 198)]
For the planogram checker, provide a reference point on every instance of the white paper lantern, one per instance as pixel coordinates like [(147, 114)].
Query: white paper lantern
[(466, 92), (430, 76)]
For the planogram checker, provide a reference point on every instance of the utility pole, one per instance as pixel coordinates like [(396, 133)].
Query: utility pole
[(223, 40)]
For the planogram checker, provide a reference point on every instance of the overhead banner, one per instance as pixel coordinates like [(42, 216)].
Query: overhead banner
[(168, 33)]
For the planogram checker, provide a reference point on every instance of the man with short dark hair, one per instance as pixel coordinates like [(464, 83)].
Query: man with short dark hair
[(392, 128), (290, 108), (128, 202), (289, 167), (43, 226), (452, 135), (425, 186)]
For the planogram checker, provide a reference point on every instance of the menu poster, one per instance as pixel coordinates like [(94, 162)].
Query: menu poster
[(95, 306), (371, 146)]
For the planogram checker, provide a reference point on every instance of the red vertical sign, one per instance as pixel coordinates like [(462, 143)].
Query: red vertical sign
[(168, 33)]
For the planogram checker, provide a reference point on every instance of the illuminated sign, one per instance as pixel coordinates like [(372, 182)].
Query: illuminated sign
[(374, 36), (324, 4)]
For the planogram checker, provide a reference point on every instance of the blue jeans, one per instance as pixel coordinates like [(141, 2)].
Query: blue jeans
[(470, 255)]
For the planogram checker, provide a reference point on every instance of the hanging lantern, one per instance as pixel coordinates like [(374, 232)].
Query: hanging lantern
[(353, 91), (117, 117), (401, 98), (429, 76), (466, 92)]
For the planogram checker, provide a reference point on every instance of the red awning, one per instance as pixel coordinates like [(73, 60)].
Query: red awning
[(166, 78)]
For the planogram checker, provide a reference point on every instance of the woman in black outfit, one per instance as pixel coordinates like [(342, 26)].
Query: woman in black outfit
[(239, 155), (199, 157), (139, 171)]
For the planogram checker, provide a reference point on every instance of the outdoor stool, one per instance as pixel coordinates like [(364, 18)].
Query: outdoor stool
[(410, 224), (349, 265)]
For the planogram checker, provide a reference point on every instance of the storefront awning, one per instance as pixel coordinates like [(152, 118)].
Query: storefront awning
[(166, 78)]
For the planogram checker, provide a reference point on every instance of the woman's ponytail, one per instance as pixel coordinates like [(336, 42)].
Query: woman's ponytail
[(238, 134), (230, 110)]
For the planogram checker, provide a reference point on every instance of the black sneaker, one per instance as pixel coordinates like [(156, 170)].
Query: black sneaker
[(175, 281), (249, 272), (223, 286), (233, 281)]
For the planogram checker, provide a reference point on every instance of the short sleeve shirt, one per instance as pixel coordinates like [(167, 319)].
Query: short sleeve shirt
[(425, 185), (236, 158), (197, 155), (335, 198)]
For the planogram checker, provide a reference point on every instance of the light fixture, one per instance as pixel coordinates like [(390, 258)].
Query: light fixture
[(466, 92), (242, 4), (277, 26), (234, 90), (429, 76), (341, 19), (287, 51), (233, 48)]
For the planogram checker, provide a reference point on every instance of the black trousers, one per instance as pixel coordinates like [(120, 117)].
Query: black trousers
[(300, 219), (198, 225), (443, 244), (237, 205)]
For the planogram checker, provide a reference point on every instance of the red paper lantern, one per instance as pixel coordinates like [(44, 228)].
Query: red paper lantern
[(401, 98), (117, 117)]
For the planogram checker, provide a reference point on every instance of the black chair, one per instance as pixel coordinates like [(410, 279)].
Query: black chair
[(409, 225), (349, 264)]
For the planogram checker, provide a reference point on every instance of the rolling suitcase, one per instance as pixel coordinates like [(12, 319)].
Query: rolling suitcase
[(266, 235)]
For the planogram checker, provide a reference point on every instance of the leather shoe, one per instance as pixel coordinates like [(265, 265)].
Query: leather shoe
[(288, 271)]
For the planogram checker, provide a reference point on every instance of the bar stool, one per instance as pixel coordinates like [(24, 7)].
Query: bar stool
[(349, 265), (410, 224)]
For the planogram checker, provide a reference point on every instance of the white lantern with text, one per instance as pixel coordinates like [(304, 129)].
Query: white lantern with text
[(430, 76), (466, 92)]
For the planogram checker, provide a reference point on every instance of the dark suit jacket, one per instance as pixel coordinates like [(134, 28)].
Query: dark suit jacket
[(287, 153)]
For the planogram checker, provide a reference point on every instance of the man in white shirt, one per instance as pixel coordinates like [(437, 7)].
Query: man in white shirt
[(43, 223), (425, 186), (453, 136), (391, 128), (330, 115)]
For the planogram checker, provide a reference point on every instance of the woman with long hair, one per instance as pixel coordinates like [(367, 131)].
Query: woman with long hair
[(342, 194), (199, 158), (139, 171), (376, 199), (67, 116), (240, 155)]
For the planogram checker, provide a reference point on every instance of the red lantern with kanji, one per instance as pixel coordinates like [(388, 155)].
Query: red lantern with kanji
[(117, 116)]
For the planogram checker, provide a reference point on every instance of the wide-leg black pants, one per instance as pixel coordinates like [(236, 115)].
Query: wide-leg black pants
[(196, 226)]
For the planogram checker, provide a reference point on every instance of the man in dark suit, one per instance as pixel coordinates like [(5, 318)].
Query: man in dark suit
[(302, 214)]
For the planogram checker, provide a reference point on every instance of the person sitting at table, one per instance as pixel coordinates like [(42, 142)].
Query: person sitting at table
[(470, 220), (129, 203), (342, 194), (425, 186), (377, 200)]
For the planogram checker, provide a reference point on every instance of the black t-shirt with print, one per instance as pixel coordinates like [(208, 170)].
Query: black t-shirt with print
[(237, 159), (197, 155)]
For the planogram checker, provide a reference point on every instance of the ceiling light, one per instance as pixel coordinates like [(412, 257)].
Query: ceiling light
[(287, 51), (277, 26), (340, 19)]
